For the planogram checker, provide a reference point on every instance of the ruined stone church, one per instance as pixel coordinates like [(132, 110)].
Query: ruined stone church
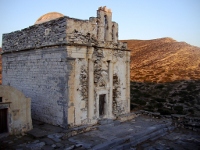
[(75, 71)]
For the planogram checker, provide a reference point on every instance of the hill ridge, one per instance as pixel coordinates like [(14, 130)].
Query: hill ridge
[(157, 57)]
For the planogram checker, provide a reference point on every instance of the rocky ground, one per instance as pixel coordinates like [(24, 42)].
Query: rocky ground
[(142, 132), (179, 139)]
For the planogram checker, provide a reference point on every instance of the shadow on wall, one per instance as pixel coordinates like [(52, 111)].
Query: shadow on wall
[(177, 97)]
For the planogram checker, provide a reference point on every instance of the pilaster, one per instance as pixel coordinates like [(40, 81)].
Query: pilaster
[(90, 90)]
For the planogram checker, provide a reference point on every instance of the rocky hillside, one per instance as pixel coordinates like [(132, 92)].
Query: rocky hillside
[(165, 76), (0, 67), (163, 60)]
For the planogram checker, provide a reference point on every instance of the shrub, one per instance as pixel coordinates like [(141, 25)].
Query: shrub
[(181, 100), (150, 107), (164, 112), (160, 99), (146, 95), (191, 111), (178, 109), (140, 102), (159, 86), (152, 101), (192, 102), (133, 106), (182, 93), (175, 94), (159, 105), (172, 102), (191, 86)]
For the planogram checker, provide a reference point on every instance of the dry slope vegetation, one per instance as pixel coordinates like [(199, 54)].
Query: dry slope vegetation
[(165, 76), (163, 60)]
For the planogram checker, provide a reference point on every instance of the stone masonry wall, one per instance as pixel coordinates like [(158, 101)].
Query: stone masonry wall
[(42, 75), (46, 34), (49, 63)]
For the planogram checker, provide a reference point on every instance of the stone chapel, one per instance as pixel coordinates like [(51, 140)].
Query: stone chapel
[(75, 71)]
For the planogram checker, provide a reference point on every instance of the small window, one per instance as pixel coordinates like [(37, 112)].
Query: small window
[(1, 99), (47, 31)]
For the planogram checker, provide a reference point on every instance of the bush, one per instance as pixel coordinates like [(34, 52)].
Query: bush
[(133, 106), (192, 103), (159, 105), (146, 95), (172, 102), (164, 112), (150, 107), (175, 94), (178, 109), (191, 111), (159, 86), (160, 100), (181, 100), (140, 102), (183, 93), (191, 86)]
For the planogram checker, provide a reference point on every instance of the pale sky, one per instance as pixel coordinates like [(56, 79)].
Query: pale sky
[(137, 19)]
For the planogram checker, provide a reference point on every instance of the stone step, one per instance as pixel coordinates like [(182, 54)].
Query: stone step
[(135, 139), (78, 130), (126, 117), (105, 121), (128, 143)]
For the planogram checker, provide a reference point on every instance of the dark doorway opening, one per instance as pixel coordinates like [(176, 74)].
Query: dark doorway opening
[(101, 104), (3, 120)]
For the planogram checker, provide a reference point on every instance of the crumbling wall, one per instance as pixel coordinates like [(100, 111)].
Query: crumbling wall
[(82, 31), (120, 83), (46, 34), (78, 84)]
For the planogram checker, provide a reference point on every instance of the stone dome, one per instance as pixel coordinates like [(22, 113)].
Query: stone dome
[(48, 17)]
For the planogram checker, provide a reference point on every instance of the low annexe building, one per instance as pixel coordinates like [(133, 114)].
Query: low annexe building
[(75, 71)]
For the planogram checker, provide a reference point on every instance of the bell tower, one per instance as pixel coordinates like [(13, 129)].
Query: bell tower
[(104, 24)]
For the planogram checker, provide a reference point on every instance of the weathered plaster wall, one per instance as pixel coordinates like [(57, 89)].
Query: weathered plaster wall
[(78, 84), (121, 83), (19, 109), (42, 75)]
